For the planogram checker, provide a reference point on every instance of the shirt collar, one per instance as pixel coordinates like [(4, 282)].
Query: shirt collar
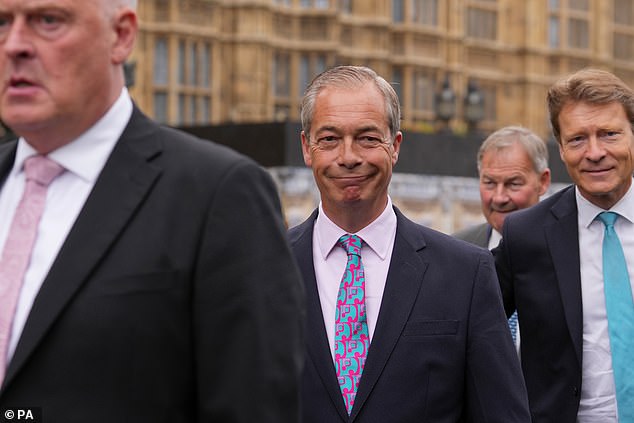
[(327, 233), (494, 238), (588, 211), (86, 155)]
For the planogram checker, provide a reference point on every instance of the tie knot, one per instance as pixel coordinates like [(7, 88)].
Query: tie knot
[(608, 218), (41, 169), (351, 243)]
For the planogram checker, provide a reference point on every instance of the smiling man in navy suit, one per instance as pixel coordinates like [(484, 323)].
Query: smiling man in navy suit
[(405, 324), (160, 287), (577, 350)]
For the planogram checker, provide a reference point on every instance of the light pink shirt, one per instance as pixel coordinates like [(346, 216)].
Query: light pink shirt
[(330, 262)]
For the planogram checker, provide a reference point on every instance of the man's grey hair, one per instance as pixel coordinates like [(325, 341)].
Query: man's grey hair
[(350, 77), (129, 3), (534, 146), (116, 4)]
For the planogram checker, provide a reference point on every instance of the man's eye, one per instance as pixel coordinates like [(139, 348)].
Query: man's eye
[(4, 21), (574, 141), (328, 139), (611, 135), (327, 142), (369, 141), (47, 21)]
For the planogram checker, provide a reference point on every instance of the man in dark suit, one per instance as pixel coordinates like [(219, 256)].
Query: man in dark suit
[(550, 261), (160, 287), (513, 172), (414, 330)]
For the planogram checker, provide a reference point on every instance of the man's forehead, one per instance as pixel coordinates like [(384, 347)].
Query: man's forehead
[(28, 5), (507, 169)]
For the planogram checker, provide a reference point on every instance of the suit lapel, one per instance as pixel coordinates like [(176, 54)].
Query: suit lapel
[(7, 157), (481, 238), (404, 281), (318, 348), (121, 187), (563, 241)]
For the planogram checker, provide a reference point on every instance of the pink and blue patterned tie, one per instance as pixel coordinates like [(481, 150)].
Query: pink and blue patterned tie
[(351, 327)]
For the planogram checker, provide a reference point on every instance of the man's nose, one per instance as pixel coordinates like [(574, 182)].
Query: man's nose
[(16, 40), (500, 194), (595, 150), (349, 152)]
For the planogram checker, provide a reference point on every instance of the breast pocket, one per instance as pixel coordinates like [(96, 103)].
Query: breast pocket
[(430, 328), (138, 284)]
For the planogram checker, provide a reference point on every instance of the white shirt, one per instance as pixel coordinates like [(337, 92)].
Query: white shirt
[(83, 160), (330, 262), (494, 240), (598, 393)]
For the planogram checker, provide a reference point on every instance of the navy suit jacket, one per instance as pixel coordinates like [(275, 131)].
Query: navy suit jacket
[(538, 267), (155, 305), (441, 350)]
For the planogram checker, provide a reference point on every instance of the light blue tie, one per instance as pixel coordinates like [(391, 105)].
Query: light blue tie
[(620, 309), (513, 326)]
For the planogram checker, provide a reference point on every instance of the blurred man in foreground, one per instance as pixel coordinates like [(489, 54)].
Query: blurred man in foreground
[(144, 275)]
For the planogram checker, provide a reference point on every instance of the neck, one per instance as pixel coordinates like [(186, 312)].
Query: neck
[(354, 217), (51, 135)]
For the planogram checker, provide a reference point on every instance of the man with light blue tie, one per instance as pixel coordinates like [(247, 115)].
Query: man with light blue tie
[(567, 264), (513, 174), (404, 324)]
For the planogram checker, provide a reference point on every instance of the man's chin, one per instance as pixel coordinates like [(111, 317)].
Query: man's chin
[(25, 121), (498, 220), (351, 194)]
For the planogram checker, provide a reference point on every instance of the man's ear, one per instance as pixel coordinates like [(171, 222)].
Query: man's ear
[(306, 149), (561, 152), (126, 26), (397, 146), (544, 181)]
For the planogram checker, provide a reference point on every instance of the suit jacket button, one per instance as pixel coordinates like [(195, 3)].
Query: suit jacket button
[(575, 391)]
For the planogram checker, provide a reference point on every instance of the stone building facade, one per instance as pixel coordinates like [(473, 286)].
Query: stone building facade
[(218, 62)]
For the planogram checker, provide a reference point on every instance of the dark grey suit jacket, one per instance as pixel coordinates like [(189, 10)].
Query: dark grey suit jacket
[(538, 267), (174, 298), (441, 350), (478, 235)]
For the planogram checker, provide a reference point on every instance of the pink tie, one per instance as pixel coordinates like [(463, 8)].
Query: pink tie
[(39, 171)]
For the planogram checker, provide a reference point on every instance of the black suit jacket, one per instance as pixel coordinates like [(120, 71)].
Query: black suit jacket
[(174, 298), (441, 350), (538, 267)]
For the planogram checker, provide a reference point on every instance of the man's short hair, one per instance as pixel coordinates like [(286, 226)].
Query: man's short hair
[(534, 146)]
